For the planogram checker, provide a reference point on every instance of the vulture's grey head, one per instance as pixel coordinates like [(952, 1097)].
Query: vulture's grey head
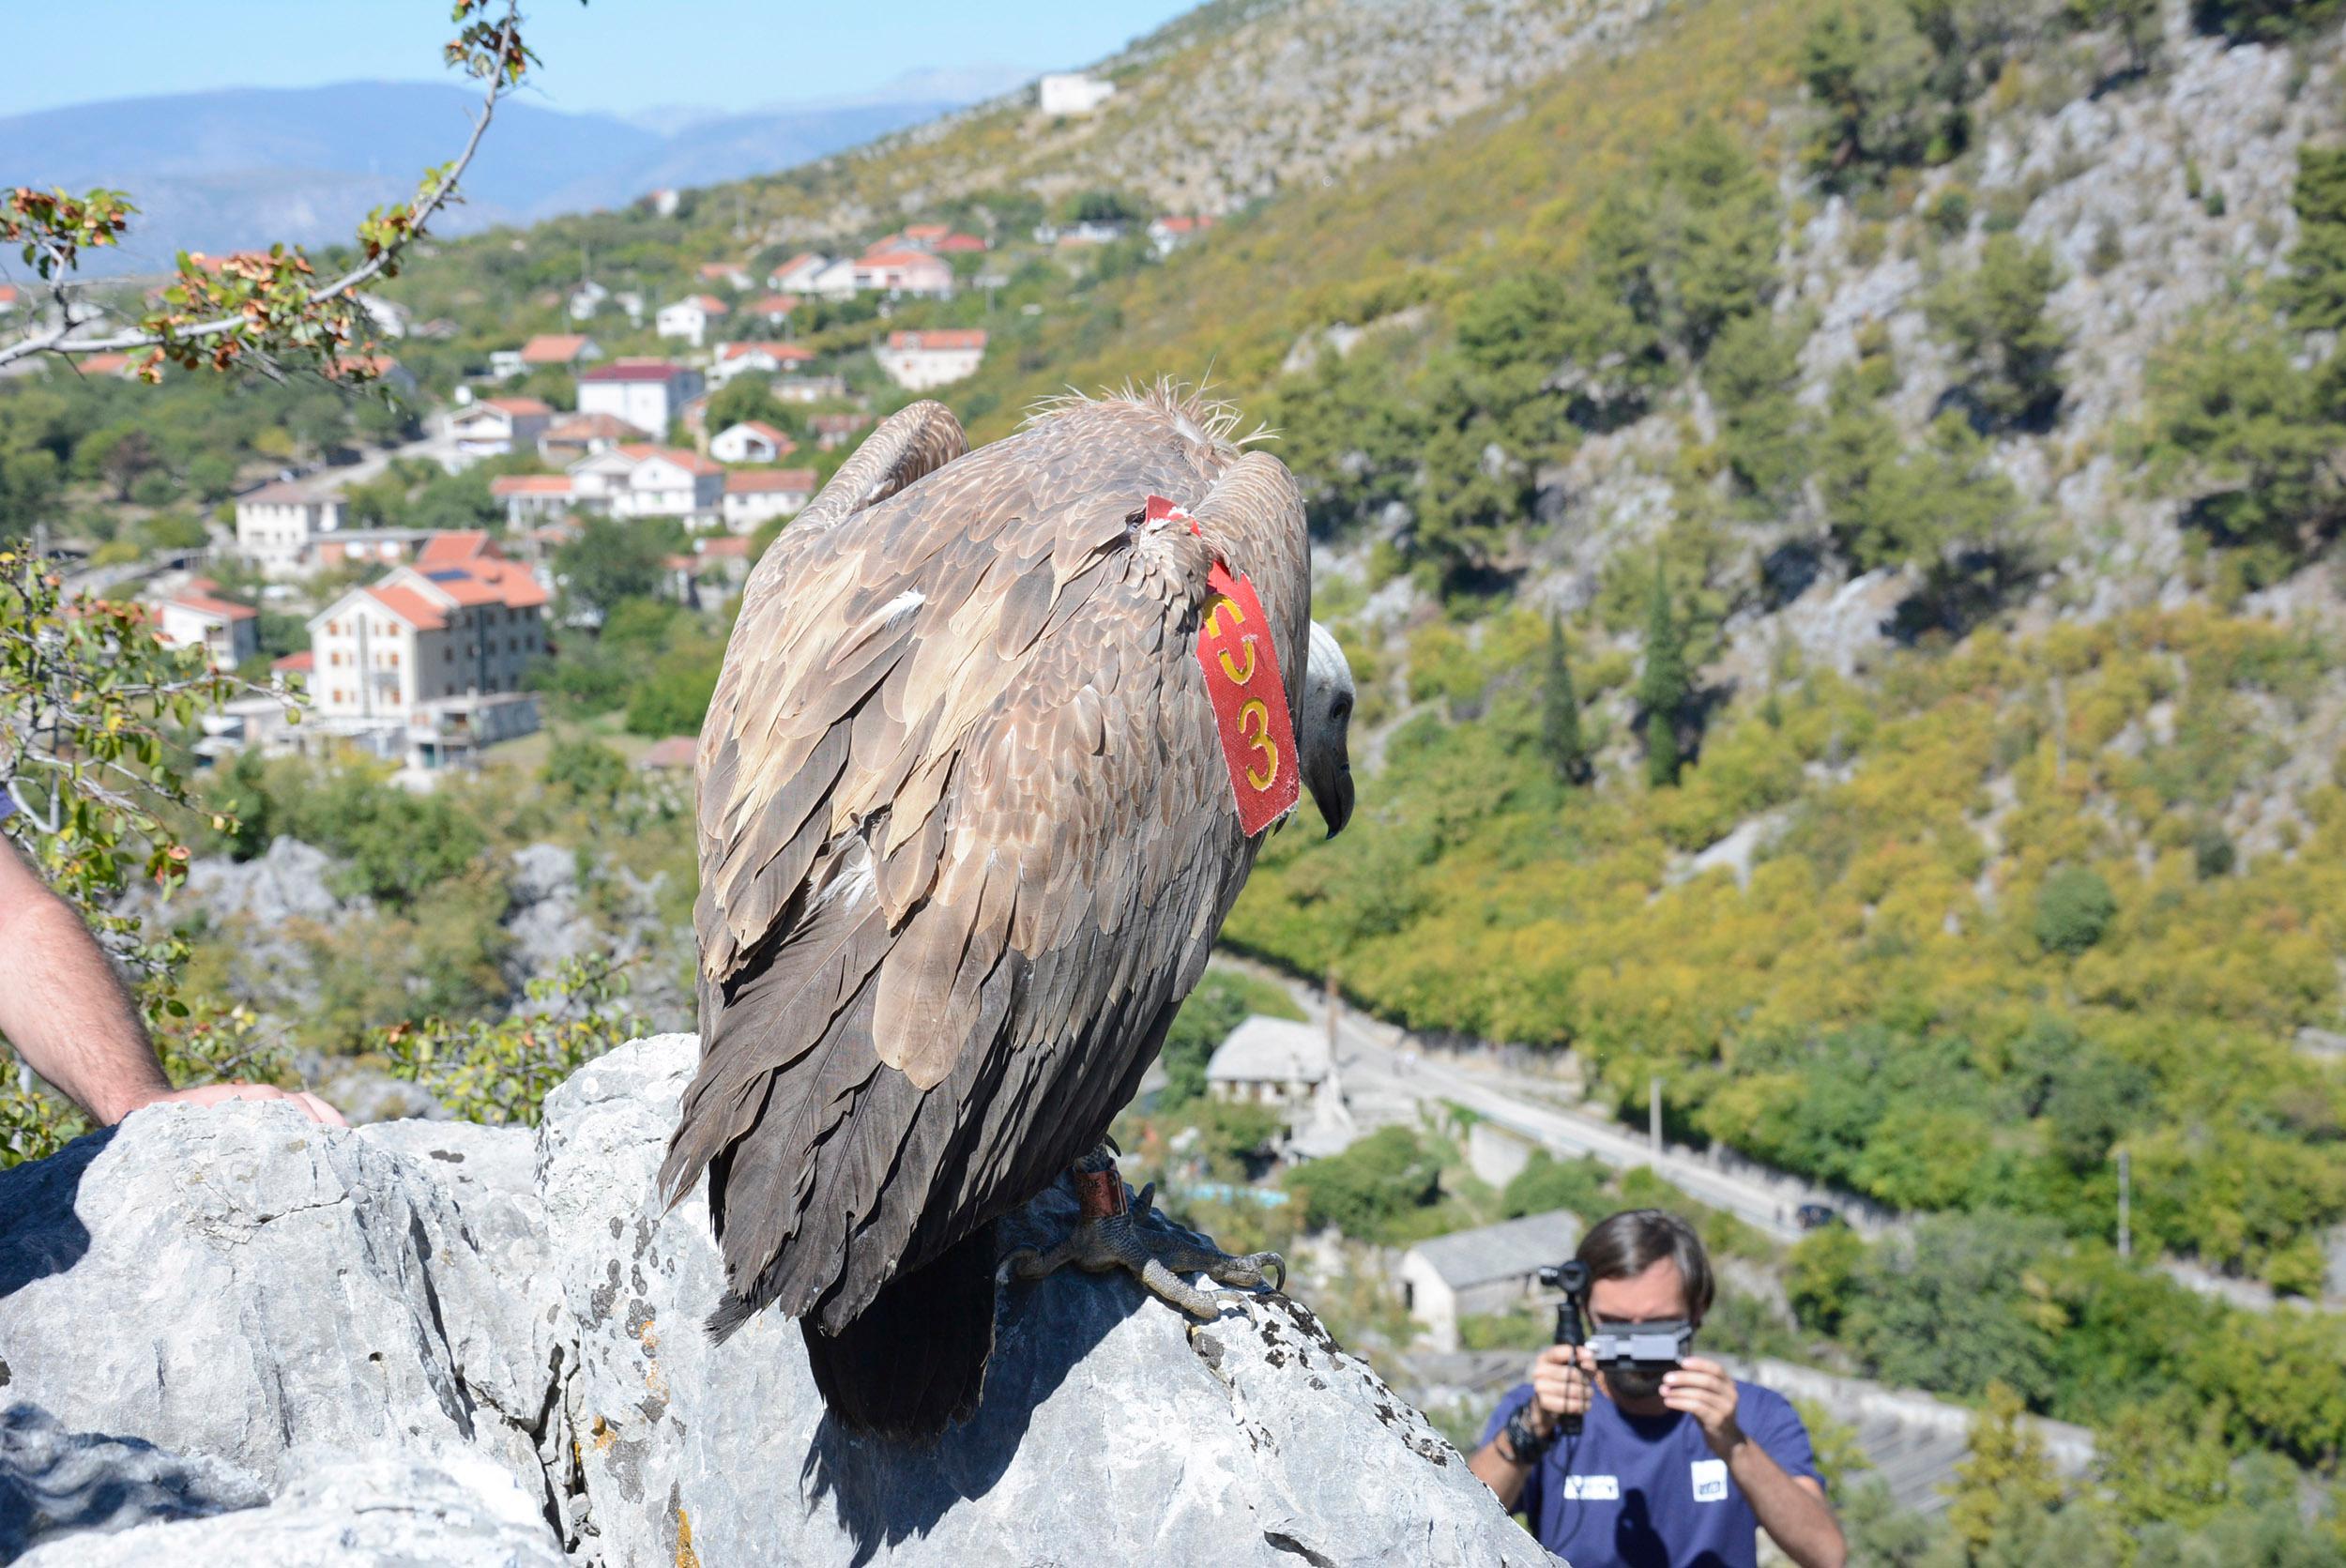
[(1324, 725)]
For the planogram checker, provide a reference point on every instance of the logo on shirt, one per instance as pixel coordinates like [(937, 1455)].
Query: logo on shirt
[(1710, 1477), (1596, 1488)]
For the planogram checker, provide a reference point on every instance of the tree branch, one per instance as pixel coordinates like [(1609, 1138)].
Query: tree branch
[(503, 75)]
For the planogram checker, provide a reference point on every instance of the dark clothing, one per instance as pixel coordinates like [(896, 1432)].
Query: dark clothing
[(1646, 1491)]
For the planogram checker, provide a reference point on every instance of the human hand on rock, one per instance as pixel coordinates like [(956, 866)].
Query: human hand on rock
[(307, 1103)]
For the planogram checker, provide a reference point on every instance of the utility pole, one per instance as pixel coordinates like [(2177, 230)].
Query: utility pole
[(1335, 1006), (2125, 1205), (1654, 1117)]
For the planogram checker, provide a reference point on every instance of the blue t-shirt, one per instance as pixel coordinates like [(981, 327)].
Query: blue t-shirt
[(1646, 1491)]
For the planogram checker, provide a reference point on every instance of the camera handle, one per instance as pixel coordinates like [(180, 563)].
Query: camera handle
[(1572, 1326)]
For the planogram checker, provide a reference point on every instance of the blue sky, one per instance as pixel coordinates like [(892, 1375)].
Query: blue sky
[(618, 56)]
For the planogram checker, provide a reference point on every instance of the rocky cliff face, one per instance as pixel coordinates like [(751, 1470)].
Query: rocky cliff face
[(232, 1335)]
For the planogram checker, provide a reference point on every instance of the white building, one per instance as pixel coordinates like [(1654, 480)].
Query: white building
[(1493, 1268), (689, 318), (276, 523), (493, 427), (750, 441), (836, 281), (531, 500), (445, 628), (1072, 92), (920, 361), (754, 495), (648, 482), (567, 351), (725, 275), (811, 388), (587, 299), (1285, 1065), (646, 393), (913, 273), (229, 633), (567, 440), (798, 274), (1171, 232), (733, 359), (390, 317)]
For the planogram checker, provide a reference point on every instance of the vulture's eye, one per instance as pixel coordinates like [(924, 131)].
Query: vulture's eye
[(1343, 709)]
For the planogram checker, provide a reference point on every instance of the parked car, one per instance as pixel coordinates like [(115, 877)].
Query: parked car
[(1816, 1216)]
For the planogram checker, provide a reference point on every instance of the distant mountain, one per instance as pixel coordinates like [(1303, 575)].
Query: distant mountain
[(220, 170)]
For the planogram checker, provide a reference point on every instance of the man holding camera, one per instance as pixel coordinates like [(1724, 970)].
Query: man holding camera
[(1678, 1463)]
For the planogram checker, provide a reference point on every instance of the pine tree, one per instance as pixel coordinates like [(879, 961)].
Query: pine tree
[(2007, 1480), (1663, 687), (1559, 712)]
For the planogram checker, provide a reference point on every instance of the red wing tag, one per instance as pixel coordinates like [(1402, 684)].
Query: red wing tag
[(1250, 702)]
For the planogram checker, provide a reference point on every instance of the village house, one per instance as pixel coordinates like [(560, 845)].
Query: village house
[(7, 298), (689, 318), (910, 273), (836, 281), (1072, 92), (750, 441), (390, 317), (920, 361), (663, 203), (1284, 1066), (586, 299), (505, 364), (638, 480), (461, 619), (774, 311), (533, 498), (732, 360), (810, 389), (120, 365), (673, 754), (380, 369), (578, 435), (725, 275), (1170, 232), (1472, 1274), (693, 419), (719, 562), (368, 546), (276, 523), (798, 274), (646, 393), (493, 427), (197, 616), (754, 495), (1088, 231), (835, 431), (560, 351)]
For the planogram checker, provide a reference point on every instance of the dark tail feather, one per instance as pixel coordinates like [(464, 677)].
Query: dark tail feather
[(914, 1363)]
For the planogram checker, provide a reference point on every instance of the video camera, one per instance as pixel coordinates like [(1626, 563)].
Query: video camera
[(1647, 1347)]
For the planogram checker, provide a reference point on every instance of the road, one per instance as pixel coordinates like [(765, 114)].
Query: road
[(1380, 1061)]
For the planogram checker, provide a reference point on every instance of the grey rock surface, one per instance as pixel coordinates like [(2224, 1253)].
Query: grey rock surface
[(55, 1483), (384, 1510), (238, 1281), (288, 882), (441, 1343), (1112, 1429)]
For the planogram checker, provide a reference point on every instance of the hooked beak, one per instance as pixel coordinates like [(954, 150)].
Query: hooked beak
[(1332, 791)]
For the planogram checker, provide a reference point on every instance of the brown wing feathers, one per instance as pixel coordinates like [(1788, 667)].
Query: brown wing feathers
[(965, 836)]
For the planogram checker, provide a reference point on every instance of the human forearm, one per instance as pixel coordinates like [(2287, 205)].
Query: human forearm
[(1502, 1475), (65, 1009), (1792, 1512)]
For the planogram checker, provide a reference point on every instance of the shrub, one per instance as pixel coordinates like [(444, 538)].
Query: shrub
[(2073, 909)]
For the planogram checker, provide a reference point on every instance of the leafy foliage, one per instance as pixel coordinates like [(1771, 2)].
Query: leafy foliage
[(500, 1072), (2008, 346)]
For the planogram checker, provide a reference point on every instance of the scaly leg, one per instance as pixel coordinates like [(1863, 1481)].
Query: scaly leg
[(1112, 1235)]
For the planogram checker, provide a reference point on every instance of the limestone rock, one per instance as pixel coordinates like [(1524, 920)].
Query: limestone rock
[(434, 1341), (55, 1483), (376, 1511), (1112, 1430), (238, 1281)]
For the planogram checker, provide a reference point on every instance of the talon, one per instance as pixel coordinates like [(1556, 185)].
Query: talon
[(1141, 1199)]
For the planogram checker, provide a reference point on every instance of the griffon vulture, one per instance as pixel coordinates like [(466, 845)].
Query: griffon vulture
[(969, 820)]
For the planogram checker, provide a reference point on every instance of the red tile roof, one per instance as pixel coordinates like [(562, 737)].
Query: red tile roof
[(780, 354), (898, 258), (725, 544), (454, 547), (954, 244), (718, 269), (708, 302), (770, 481), (7, 294), (940, 338), (512, 582), (759, 427), (207, 605), (531, 484), (926, 231), (409, 606), (592, 427), (691, 463), (675, 752), (553, 348), (522, 406), (296, 663), (775, 305)]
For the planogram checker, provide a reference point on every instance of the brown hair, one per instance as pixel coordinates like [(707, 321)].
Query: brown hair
[(1632, 1241)]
